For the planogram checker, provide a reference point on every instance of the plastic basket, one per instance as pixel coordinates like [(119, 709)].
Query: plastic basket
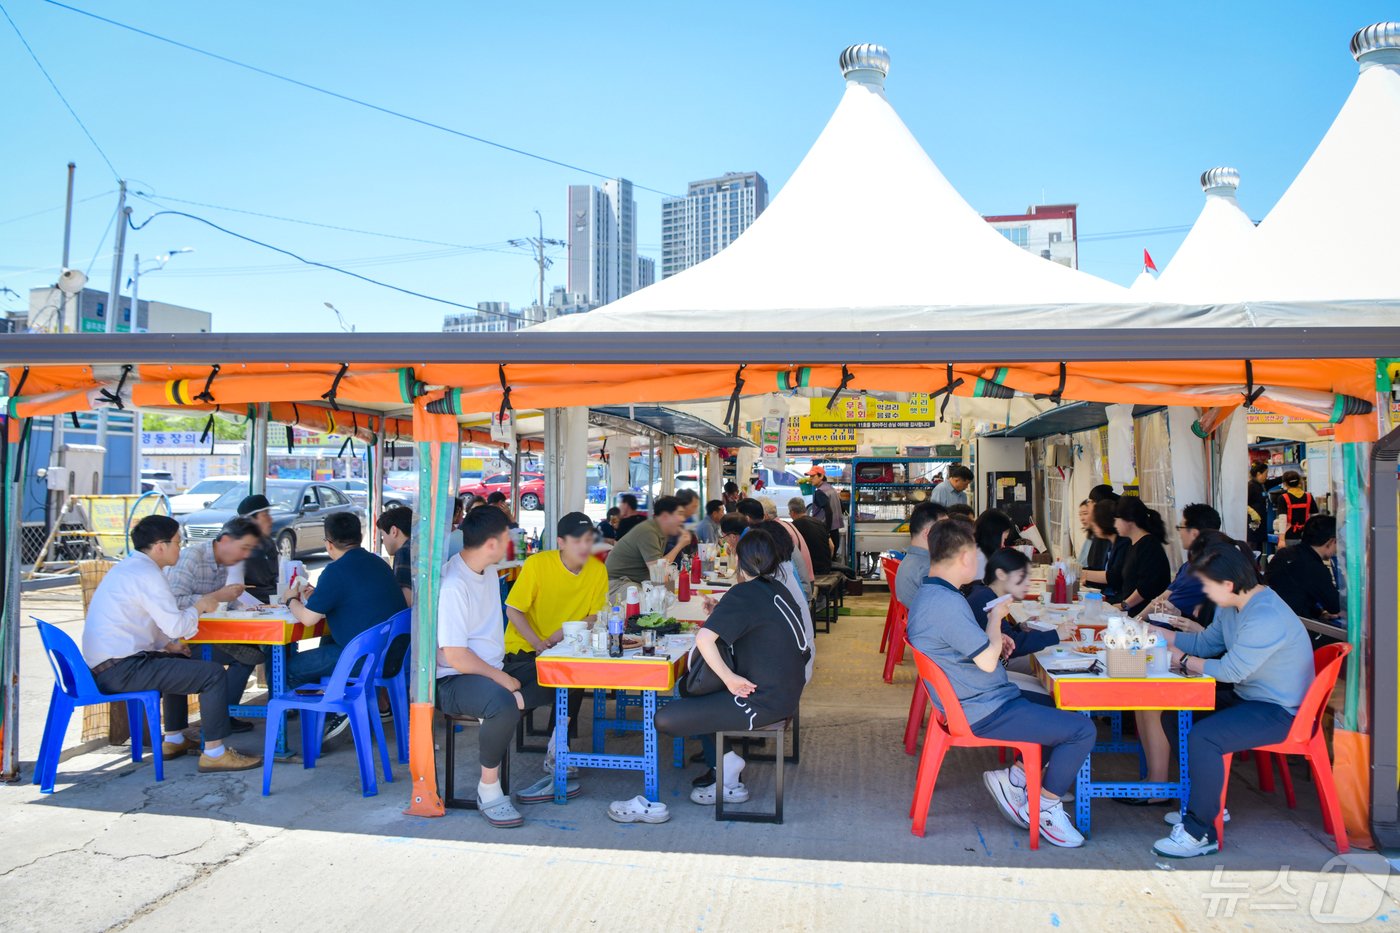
[(1125, 662)]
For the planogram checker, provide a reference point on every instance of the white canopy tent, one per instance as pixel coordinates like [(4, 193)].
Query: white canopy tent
[(1206, 266)]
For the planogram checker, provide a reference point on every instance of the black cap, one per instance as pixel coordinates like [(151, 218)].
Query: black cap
[(574, 525), (251, 505)]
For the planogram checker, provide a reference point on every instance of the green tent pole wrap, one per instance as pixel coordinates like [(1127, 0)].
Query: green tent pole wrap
[(435, 438), (1356, 521)]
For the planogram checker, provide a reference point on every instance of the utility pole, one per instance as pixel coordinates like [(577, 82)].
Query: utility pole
[(114, 303), (539, 243), (56, 432)]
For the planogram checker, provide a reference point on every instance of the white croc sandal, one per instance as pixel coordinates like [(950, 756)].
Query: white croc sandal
[(705, 796), (638, 810)]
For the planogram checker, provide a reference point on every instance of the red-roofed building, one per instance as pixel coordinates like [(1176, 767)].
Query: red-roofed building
[(1049, 230)]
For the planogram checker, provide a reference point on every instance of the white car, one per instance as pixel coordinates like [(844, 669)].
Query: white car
[(778, 485), (160, 481), (686, 480), (204, 492)]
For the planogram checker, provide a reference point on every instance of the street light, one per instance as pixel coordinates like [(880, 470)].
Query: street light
[(348, 328)]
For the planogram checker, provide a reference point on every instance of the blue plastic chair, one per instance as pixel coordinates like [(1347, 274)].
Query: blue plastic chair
[(340, 693), (74, 687), (400, 624)]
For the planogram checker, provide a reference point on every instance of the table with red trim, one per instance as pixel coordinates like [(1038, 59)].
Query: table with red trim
[(275, 628), (561, 668), (1096, 693)]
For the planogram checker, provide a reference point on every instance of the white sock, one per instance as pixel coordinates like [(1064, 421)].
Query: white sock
[(733, 765), (176, 737), (1048, 803), (487, 794), (214, 752)]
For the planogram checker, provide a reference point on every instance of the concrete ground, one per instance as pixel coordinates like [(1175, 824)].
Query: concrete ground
[(112, 849)]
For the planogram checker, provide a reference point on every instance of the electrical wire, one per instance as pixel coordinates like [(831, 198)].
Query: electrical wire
[(100, 243), (47, 77), (50, 210), (310, 262), (388, 111)]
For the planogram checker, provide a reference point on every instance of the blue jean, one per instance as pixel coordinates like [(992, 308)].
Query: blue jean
[(1245, 725), (1069, 737), (308, 667)]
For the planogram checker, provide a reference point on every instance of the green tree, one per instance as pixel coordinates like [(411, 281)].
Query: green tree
[(224, 428)]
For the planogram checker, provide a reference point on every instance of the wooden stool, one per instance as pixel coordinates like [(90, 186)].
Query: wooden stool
[(778, 731), (449, 754)]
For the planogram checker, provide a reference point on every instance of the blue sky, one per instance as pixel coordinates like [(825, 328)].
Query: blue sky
[(1115, 106)]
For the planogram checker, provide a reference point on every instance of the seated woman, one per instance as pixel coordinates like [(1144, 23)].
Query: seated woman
[(1107, 577), (993, 530), (942, 627), (762, 624), (1093, 553), (1009, 574), (1256, 643), (1146, 571), (789, 574)]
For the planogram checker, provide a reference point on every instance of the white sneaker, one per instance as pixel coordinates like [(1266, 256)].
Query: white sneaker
[(1174, 818), (1018, 780), (1056, 827), (1010, 798), (1181, 844)]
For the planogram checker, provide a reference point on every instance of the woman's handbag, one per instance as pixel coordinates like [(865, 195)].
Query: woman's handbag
[(700, 679)]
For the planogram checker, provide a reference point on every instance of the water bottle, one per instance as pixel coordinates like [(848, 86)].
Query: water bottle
[(615, 633)]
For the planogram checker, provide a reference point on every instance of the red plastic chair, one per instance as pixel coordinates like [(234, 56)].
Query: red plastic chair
[(950, 729), (1306, 739), (891, 568), (899, 627), (917, 705)]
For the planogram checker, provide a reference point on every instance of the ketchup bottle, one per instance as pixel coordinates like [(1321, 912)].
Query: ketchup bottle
[(695, 568), (683, 586), (1061, 594)]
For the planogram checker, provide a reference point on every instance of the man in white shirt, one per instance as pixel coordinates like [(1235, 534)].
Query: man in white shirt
[(473, 679), (130, 640), (953, 490)]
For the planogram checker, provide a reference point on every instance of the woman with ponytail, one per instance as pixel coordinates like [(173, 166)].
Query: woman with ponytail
[(1146, 571)]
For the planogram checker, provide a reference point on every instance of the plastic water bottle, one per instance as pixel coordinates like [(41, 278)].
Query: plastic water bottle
[(615, 632)]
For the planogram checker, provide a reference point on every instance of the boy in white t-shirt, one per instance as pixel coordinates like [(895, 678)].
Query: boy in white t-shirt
[(473, 679)]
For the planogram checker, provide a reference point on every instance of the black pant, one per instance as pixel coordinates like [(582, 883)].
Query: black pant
[(175, 675), (176, 707), (1245, 725), (706, 715), (835, 543), (575, 695), (479, 696)]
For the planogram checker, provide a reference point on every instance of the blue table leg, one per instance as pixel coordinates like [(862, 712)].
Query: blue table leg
[(600, 719), (1081, 795), (561, 744), (649, 751), (1183, 731), (279, 689)]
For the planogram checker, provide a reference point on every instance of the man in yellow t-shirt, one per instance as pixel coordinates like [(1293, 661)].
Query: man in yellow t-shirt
[(554, 587)]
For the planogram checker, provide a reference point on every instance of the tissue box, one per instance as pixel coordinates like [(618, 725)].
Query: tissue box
[(1126, 662)]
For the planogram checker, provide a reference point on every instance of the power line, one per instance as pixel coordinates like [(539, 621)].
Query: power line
[(47, 77), (100, 243), (388, 111), (50, 210), (311, 262)]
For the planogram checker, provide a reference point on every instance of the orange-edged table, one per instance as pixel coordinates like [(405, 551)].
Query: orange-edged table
[(1096, 692), (275, 628), (563, 668)]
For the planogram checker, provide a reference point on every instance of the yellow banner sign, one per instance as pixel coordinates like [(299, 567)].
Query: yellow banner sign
[(861, 411)]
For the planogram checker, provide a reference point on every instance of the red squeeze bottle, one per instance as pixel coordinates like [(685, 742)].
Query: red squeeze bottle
[(683, 588), (1061, 594), (510, 547), (695, 569)]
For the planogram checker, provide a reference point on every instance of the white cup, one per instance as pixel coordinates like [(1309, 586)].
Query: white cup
[(1086, 635)]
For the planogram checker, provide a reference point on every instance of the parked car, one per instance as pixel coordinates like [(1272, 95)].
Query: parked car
[(299, 509), (688, 479), (531, 488), (778, 485), (204, 492), (161, 480)]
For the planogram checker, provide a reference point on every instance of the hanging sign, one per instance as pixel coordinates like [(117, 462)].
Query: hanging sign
[(503, 428), (803, 437), (772, 441), (863, 411)]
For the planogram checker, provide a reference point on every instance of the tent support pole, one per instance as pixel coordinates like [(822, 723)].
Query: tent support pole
[(375, 479), (257, 468), (1385, 641), (554, 446), (12, 479)]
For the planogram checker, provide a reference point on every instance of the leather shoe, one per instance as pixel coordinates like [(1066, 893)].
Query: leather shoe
[(169, 750), (231, 760)]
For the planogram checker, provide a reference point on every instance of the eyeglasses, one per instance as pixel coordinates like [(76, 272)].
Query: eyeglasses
[(1182, 527)]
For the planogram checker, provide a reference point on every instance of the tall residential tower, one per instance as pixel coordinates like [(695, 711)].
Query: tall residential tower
[(603, 241), (710, 217)]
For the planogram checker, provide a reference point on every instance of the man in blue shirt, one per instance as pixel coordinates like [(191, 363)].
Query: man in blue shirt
[(953, 490), (942, 626), (1185, 596)]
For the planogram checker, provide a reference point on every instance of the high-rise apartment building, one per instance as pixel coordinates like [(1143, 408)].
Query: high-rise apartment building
[(1051, 231), (646, 272), (490, 317), (603, 241), (711, 216)]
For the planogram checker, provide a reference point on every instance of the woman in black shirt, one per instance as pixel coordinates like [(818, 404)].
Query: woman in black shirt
[(1146, 571), (762, 625), (1107, 577)]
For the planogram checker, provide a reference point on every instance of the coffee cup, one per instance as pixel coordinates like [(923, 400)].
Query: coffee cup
[(1086, 635)]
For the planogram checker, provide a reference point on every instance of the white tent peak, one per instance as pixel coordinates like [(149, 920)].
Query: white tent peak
[(1206, 266), (1332, 235), (867, 234)]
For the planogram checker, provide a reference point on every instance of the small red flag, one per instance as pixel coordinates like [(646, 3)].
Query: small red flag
[(1147, 262)]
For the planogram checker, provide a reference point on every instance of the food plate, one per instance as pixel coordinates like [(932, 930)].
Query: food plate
[(1067, 662), (630, 642)]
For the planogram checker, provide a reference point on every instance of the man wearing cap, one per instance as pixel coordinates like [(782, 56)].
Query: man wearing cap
[(554, 587), (258, 572), (826, 506)]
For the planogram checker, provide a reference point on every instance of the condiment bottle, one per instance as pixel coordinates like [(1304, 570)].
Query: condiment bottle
[(683, 584)]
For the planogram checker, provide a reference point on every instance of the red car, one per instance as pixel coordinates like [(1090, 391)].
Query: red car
[(531, 489)]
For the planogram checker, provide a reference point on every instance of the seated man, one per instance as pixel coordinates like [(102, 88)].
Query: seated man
[(396, 529), (204, 568), (942, 626), (130, 640), (812, 532), (607, 528), (259, 570), (356, 591), (1299, 573), (554, 587), (914, 568), (501, 501), (473, 678), (628, 517), (628, 561)]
